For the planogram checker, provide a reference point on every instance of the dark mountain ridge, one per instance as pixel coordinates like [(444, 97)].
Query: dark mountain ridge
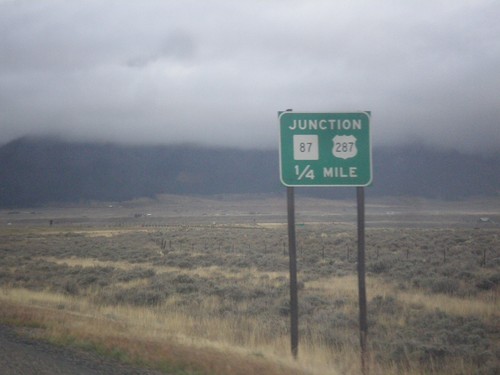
[(39, 171)]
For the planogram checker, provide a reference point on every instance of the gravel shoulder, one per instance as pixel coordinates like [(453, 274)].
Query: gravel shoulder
[(20, 354)]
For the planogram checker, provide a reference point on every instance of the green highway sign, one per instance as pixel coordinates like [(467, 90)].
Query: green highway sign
[(325, 149)]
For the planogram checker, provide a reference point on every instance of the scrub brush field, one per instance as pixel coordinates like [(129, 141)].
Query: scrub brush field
[(200, 286)]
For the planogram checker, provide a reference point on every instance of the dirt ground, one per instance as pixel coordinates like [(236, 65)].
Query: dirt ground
[(258, 210)]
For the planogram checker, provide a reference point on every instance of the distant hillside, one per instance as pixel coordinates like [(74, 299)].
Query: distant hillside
[(419, 171), (38, 171)]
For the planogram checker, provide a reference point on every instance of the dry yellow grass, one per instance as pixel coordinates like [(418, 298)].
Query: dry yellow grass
[(206, 344), (210, 271), (485, 307), (169, 333), (243, 343)]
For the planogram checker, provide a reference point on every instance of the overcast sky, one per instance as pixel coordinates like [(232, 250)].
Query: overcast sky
[(216, 72)]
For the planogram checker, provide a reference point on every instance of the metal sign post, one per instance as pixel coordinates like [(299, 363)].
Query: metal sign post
[(363, 320), (292, 251)]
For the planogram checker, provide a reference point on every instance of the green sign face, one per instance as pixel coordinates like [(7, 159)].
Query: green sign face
[(325, 149)]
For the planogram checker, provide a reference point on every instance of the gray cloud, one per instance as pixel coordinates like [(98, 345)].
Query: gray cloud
[(217, 72)]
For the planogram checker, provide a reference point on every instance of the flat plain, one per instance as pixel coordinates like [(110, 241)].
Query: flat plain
[(197, 285)]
